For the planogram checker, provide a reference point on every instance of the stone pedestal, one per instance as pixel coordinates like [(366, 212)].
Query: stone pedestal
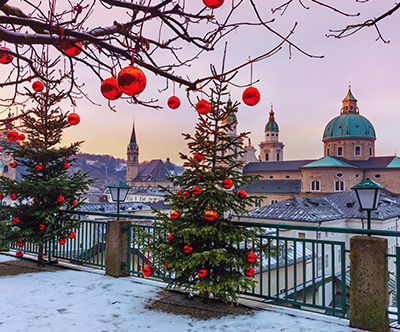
[(116, 248), (369, 295)]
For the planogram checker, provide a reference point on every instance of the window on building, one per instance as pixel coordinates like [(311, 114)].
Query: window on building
[(267, 134), (274, 201), (370, 151), (339, 175), (377, 176), (357, 176), (271, 177), (5, 169), (351, 107), (319, 263), (315, 185), (287, 177), (357, 150), (326, 261), (339, 257), (327, 151), (347, 107), (277, 156), (340, 151), (272, 134), (266, 156), (339, 185), (302, 235)]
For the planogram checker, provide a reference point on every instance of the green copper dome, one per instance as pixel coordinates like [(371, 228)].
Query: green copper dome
[(271, 126), (349, 125)]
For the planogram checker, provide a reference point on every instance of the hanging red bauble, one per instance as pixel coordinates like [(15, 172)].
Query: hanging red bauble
[(13, 196), (227, 183), (213, 3), (173, 102), (131, 81), (13, 164), (38, 168), (251, 257), (109, 89), (19, 254), (62, 241), (147, 271), (73, 119), (41, 227), (35, 200), (12, 135), (210, 215), (70, 48), (1, 196), (170, 237), (20, 243), (179, 192), (71, 235), (21, 137), (249, 272), (60, 199), (203, 107), (186, 195), (251, 96), (202, 273), (73, 203), (66, 165), (37, 86), (166, 265), (175, 215), (15, 220), (198, 157), (196, 191), (5, 58), (241, 194), (187, 249)]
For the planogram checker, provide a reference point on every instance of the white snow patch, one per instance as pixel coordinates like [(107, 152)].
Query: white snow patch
[(6, 258)]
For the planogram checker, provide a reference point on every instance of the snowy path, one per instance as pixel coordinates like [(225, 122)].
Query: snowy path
[(85, 302)]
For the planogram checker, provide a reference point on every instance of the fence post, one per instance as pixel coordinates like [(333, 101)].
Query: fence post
[(369, 294), (116, 248)]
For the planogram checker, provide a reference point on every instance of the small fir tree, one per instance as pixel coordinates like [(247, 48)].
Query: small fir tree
[(46, 187), (198, 246)]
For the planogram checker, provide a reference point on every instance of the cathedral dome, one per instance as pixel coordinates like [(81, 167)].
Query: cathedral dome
[(349, 125), (271, 124)]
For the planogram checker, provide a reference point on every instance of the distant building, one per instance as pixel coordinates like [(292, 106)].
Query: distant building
[(5, 159)]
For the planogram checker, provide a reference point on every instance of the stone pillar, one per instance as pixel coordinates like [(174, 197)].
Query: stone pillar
[(369, 294), (116, 248)]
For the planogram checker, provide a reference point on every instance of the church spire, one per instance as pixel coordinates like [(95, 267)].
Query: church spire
[(133, 135), (132, 163), (349, 103)]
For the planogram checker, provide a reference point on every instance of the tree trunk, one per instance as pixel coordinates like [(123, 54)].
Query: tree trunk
[(40, 254)]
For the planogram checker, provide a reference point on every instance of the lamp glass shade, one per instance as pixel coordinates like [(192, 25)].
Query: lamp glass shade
[(119, 191), (368, 198)]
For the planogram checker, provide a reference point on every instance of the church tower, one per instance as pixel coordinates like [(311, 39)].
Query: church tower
[(132, 154), (271, 149)]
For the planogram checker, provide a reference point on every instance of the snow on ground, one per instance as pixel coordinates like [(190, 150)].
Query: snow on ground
[(85, 302), (5, 258)]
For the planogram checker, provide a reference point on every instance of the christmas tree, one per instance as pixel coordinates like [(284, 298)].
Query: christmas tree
[(46, 188), (198, 246)]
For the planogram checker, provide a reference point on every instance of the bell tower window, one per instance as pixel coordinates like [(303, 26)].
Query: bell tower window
[(340, 151), (266, 156), (357, 150), (315, 185)]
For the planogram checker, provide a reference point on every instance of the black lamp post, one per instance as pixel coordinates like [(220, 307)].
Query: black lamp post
[(368, 193), (119, 191)]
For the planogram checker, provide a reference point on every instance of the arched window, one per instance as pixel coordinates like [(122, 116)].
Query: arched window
[(339, 185), (5, 169), (277, 156), (266, 156), (315, 185)]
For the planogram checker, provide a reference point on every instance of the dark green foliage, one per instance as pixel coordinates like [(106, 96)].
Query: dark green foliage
[(38, 190)]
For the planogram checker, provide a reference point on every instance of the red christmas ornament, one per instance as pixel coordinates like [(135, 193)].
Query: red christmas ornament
[(15, 220), (166, 265), (187, 249), (196, 191), (198, 157), (71, 235), (203, 107), (241, 194), (21, 137), (170, 237), (41, 227), (186, 195), (13, 164), (131, 81), (1, 196), (38, 168), (70, 48), (110, 90), (20, 243), (251, 257), (19, 254), (62, 241), (213, 3), (251, 96), (210, 215), (249, 272), (175, 215), (12, 135), (73, 203), (5, 58), (227, 183), (13, 196), (37, 86), (66, 165), (202, 273), (35, 200), (179, 192), (60, 199), (173, 102), (73, 119), (147, 271)]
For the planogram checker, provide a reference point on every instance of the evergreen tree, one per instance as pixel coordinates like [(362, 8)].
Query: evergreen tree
[(46, 187), (198, 246)]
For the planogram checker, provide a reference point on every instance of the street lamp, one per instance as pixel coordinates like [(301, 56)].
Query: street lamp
[(368, 193), (119, 191)]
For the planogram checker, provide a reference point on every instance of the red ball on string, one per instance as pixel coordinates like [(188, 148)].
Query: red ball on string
[(187, 249), (62, 241), (15, 220), (21, 137), (13, 196), (198, 157), (13, 164), (170, 237), (227, 183), (196, 191), (71, 235), (213, 3), (131, 81), (37, 86), (20, 243), (210, 215), (251, 257), (73, 119), (70, 48), (251, 96), (173, 102), (38, 168), (12, 135), (110, 90), (35, 200), (41, 227), (1, 196), (5, 58), (147, 271), (60, 199), (249, 272), (186, 195), (66, 165), (73, 203), (202, 273), (203, 107), (175, 215), (19, 254), (166, 265), (241, 194)]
